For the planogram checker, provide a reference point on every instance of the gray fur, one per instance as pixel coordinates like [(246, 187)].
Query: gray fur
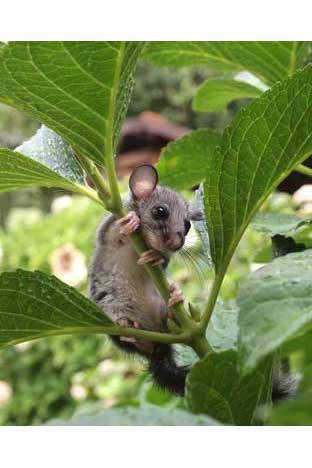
[(152, 230), (116, 283)]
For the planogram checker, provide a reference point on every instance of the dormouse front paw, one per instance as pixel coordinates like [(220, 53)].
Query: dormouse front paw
[(152, 256), (129, 223)]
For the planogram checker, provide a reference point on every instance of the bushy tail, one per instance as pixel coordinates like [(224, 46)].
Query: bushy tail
[(169, 376), (284, 384), (165, 371)]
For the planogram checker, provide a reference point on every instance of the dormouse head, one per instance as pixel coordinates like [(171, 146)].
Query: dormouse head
[(165, 216)]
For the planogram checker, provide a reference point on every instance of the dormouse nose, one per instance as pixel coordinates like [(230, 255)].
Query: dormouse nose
[(175, 241)]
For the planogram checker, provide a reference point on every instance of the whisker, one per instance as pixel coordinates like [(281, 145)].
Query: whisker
[(196, 263)]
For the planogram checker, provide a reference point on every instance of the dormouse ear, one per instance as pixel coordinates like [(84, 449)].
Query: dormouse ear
[(196, 214), (143, 181)]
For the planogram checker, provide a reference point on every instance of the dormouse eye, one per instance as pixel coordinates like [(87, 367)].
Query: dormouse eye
[(187, 226), (160, 212)]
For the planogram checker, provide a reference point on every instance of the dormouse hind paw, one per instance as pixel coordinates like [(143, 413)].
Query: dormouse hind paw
[(176, 295), (145, 346), (124, 322)]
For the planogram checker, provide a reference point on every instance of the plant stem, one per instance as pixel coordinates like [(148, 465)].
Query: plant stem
[(158, 337), (99, 182), (116, 202), (200, 346), (110, 330), (189, 327), (160, 281), (213, 295), (304, 170), (89, 192), (155, 273), (115, 206), (112, 201)]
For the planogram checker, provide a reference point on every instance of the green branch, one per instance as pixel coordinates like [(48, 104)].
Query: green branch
[(217, 283), (304, 170), (212, 299), (139, 245), (92, 194), (99, 182), (190, 331), (158, 337), (188, 327), (116, 204), (117, 208), (150, 335)]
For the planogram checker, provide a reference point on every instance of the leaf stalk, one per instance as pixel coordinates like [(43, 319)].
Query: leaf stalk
[(99, 182), (213, 295), (304, 170)]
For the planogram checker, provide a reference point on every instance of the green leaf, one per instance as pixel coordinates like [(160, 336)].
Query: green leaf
[(277, 223), (35, 305), (18, 171), (81, 90), (264, 144), (295, 412), (275, 303), (215, 94), (215, 387), (183, 162), (222, 333), (270, 61), (49, 149), (146, 416), (150, 394)]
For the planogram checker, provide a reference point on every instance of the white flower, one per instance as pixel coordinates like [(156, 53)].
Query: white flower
[(5, 392), (303, 195), (69, 265), (78, 392), (60, 203), (105, 367), (21, 347)]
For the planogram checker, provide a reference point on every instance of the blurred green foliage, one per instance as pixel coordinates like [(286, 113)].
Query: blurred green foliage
[(57, 376), (169, 91), (14, 127)]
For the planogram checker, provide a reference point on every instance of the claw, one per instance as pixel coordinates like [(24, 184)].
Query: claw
[(129, 339), (145, 346), (124, 322), (129, 223)]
